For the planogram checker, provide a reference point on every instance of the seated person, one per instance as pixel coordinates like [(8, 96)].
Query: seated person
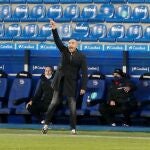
[(120, 100), (43, 95)]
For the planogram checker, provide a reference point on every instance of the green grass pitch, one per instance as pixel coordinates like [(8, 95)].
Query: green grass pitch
[(27, 139)]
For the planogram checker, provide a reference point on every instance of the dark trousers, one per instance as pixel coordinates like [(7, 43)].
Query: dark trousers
[(54, 103), (38, 109), (109, 112)]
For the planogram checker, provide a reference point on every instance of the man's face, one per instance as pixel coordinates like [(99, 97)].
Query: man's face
[(48, 71), (72, 45)]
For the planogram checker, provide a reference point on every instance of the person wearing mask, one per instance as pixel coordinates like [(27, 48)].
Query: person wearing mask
[(120, 99), (38, 105), (66, 78)]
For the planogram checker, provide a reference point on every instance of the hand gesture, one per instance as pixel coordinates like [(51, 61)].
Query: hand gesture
[(29, 103), (127, 89), (112, 103), (53, 24)]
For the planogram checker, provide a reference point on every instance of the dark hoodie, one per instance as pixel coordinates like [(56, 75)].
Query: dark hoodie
[(117, 93), (44, 92)]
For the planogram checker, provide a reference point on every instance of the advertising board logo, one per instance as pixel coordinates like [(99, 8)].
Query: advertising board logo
[(21, 81), (36, 67), (92, 68), (137, 68)]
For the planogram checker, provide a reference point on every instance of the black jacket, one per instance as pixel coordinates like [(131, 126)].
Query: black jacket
[(69, 69), (117, 93), (44, 92)]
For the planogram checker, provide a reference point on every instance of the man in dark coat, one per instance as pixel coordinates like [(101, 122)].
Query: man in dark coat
[(43, 95), (121, 99), (66, 78)]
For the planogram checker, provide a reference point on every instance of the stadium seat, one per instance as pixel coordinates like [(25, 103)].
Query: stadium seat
[(34, 1), (122, 14), (17, 1), (101, 1), (81, 31), (84, 1), (13, 32), (106, 12), (133, 33), (140, 14), (147, 1), (5, 12), (30, 32), (88, 13), (45, 33), (118, 1), (70, 12), (144, 87), (2, 31), (136, 1), (143, 94), (20, 93), (116, 32), (95, 92), (3, 87), (21, 13), (37, 13), (67, 1), (65, 31), (51, 1), (55, 12), (146, 35), (97, 32), (4, 1)]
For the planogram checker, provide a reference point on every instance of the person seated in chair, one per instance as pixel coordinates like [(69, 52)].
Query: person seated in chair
[(120, 99), (43, 95)]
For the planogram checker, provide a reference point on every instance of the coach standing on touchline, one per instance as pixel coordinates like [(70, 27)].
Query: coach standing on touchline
[(66, 78)]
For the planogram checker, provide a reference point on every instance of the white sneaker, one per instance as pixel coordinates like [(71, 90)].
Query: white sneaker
[(125, 125), (45, 129), (113, 124), (73, 131)]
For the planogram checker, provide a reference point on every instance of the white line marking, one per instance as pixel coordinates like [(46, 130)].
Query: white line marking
[(81, 136)]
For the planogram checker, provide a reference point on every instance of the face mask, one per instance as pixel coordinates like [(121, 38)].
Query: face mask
[(48, 76)]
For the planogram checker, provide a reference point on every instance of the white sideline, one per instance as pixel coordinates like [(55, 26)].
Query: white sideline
[(80, 136)]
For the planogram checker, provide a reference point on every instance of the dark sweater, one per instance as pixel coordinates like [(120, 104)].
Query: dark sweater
[(117, 93), (44, 92)]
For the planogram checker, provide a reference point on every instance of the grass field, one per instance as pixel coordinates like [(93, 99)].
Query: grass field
[(25, 139)]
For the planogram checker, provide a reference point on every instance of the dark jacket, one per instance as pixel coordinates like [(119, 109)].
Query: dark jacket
[(117, 93), (69, 69), (44, 91)]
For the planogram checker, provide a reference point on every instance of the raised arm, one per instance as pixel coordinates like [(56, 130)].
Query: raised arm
[(57, 39)]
